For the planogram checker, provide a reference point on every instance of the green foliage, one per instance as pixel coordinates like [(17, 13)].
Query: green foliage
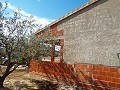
[(18, 45), (19, 42)]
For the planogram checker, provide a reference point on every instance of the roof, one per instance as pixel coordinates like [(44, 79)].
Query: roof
[(69, 14)]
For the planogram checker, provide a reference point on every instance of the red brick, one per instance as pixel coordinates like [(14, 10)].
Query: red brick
[(94, 68), (94, 88), (103, 78), (86, 73), (84, 66), (84, 80), (96, 72), (60, 33), (113, 69), (98, 67), (98, 82), (89, 86), (89, 70), (111, 84), (107, 84), (118, 85), (106, 69), (104, 73), (113, 79), (76, 65), (100, 88), (94, 76), (118, 80), (104, 83), (66, 75), (101, 73), (99, 77), (80, 77), (117, 75), (90, 66), (107, 78), (111, 74)]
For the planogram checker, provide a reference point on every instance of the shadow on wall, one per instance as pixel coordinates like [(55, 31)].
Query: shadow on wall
[(86, 75)]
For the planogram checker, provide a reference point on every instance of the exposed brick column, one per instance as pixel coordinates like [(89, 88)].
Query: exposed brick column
[(52, 53), (61, 50), (61, 54)]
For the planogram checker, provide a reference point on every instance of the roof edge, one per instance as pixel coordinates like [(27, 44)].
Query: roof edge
[(69, 14)]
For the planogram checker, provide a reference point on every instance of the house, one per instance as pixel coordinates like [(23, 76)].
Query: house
[(90, 36)]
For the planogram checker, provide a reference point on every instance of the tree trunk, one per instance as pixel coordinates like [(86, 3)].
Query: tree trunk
[(2, 79), (1, 82), (7, 72)]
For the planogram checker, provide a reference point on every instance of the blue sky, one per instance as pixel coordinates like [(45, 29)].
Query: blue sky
[(46, 10)]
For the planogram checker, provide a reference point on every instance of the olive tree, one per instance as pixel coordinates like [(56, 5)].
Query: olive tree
[(18, 45)]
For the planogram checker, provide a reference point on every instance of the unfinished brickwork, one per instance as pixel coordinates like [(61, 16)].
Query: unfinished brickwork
[(96, 77), (90, 40)]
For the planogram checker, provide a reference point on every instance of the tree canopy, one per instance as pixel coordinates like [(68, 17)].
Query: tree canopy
[(18, 45)]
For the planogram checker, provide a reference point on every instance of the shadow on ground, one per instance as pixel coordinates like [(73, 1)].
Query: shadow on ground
[(45, 85), (5, 88), (41, 85)]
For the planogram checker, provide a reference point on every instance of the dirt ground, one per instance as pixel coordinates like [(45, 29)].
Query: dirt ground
[(18, 81), (22, 80)]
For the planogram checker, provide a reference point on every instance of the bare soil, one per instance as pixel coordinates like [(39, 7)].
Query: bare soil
[(22, 80)]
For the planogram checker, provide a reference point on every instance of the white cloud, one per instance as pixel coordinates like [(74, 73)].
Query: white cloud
[(39, 20), (9, 6), (43, 21)]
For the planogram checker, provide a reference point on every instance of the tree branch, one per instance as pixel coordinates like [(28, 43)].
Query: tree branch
[(13, 69)]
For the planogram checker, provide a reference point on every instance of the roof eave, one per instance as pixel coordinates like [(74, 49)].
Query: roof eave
[(69, 14)]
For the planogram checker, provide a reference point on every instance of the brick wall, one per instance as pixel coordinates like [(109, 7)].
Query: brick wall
[(96, 77), (58, 71), (55, 31)]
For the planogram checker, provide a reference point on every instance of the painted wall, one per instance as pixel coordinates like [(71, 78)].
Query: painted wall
[(92, 35)]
